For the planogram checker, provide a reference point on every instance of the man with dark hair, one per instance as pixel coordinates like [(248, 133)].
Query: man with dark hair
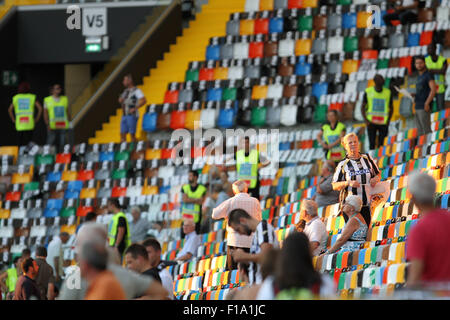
[(90, 217), (263, 240), (45, 279), (425, 92), (193, 195), (26, 288), (437, 66), (10, 277), (55, 254), (136, 258), (118, 229), (26, 253), (154, 256)]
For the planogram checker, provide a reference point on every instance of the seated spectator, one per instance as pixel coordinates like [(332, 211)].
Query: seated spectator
[(264, 239), (325, 194), (138, 226), (355, 230), (136, 259), (26, 287), (427, 247), (191, 242), (314, 229), (295, 276), (406, 13)]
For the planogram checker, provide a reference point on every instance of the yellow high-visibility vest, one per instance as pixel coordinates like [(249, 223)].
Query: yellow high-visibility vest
[(247, 167)]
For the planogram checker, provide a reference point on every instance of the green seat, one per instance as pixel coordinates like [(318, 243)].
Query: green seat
[(68, 212), (344, 2), (192, 75), (119, 174), (383, 63), (373, 255), (258, 117), (32, 186), (350, 44), (305, 23), (339, 260), (342, 278), (229, 94), (320, 113), (44, 159), (387, 82), (266, 214), (123, 155)]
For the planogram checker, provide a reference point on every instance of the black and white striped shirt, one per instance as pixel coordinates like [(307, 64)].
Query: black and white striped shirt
[(361, 170), (264, 233)]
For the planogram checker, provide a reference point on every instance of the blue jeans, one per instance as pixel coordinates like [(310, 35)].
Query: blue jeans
[(128, 124)]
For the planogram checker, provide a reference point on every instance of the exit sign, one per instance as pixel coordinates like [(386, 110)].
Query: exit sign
[(10, 78), (93, 47)]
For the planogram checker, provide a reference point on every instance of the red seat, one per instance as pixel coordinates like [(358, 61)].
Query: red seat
[(167, 207), (295, 4), (206, 74), (118, 192), (166, 153), (82, 211), (171, 96), (336, 106), (197, 151), (256, 50), (370, 54), (63, 158), (426, 38), (84, 175), (405, 62), (261, 26), (13, 196), (177, 120)]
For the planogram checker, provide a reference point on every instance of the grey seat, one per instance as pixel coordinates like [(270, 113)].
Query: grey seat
[(35, 213), (226, 51), (26, 160), (233, 28), (319, 46), (253, 72), (104, 193), (103, 174), (273, 116), (334, 21), (396, 40), (362, 85), (186, 96), (334, 67), (92, 156), (280, 4)]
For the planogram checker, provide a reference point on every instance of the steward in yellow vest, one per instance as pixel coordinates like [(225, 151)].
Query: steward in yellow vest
[(56, 117), (118, 228), (8, 279), (437, 66), (193, 195), (330, 137)]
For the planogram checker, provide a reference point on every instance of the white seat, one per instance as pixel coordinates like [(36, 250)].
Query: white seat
[(275, 91), (18, 213), (240, 50), (335, 44), (235, 72), (442, 13), (288, 115), (286, 48), (208, 118), (251, 5), (7, 232)]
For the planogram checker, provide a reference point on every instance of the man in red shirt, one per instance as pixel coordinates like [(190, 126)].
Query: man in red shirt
[(428, 244)]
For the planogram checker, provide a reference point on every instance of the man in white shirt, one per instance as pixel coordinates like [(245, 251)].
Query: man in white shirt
[(55, 253), (131, 100), (315, 229), (153, 248), (241, 200), (191, 242)]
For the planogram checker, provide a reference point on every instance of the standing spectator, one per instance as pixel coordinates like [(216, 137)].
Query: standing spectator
[(138, 226), (355, 173), (425, 91), (102, 284), (191, 242), (55, 254), (325, 195), (227, 189), (377, 112), (56, 117), (241, 200), (406, 13), (437, 66), (210, 203), (330, 137), (248, 163), (10, 277), (263, 240), (315, 229), (45, 279), (26, 287), (21, 112), (193, 195), (118, 229), (136, 259), (427, 247), (131, 100), (153, 248), (90, 217), (355, 230)]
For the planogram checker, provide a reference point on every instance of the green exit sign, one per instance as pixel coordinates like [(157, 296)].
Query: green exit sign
[(93, 47)]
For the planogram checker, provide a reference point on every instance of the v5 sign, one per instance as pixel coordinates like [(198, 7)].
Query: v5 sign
[(94, 21)]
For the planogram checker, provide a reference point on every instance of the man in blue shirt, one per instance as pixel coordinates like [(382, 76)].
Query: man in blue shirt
[(425, 92)]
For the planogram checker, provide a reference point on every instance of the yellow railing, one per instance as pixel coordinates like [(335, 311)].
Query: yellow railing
[(7, 4)]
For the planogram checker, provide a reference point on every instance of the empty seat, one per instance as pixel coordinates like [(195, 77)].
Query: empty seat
[(247, 27), (276, 25), (262, 26), (335, 44), (240, 50), (349, 20), (303, 47), (286, 46)]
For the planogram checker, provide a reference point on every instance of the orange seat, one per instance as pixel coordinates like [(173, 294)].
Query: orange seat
[(247, 27), (151, 154), (70, 229), (309, 3), (303, 47), (363, 19), (10, 151), (220, 73), (265, 5), (88, 193), (350, 66), (4, 213), (259, 92), (191, 117), (21, 178), (148, 190), (69, 175)]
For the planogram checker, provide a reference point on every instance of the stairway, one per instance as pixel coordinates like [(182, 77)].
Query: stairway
[(190, 46), (9, 3)]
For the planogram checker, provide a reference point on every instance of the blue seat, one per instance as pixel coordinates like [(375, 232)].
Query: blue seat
[(213, 52), (319, 89), (51, 213), (55, 203), (361, 256), (214, 94), (75, 185), (149, 121), (302, 69), (445, 201), (413, 40), (226, 118), (54, 176), (349, 20), (276, 25), (285, 146), (71, 194), (106, 156)]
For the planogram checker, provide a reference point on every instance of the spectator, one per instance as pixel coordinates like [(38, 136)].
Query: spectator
[(10, 277), (263, 240), (378, 101), (56, 117), (131, 100), (355, 173), (425, 91), (355, 230), (193, 195), (315, 230), (325, 195), (136, 259), (55, 254), (138, 226), (21, 112), (90, 217), (134, 284), (268, 270), (406, 13), (118, 229), (102, 284), (45, 279), (26, 287), (330, 137), (295, 277), (241, 200), (437, 66), (210, 203), (227, 189), (191, 242), (300, 226), (427, 247), (154, 255)]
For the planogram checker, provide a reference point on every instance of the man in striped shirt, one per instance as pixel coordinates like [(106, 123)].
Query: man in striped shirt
[(356, 174), (241, 200), (263, 240)]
